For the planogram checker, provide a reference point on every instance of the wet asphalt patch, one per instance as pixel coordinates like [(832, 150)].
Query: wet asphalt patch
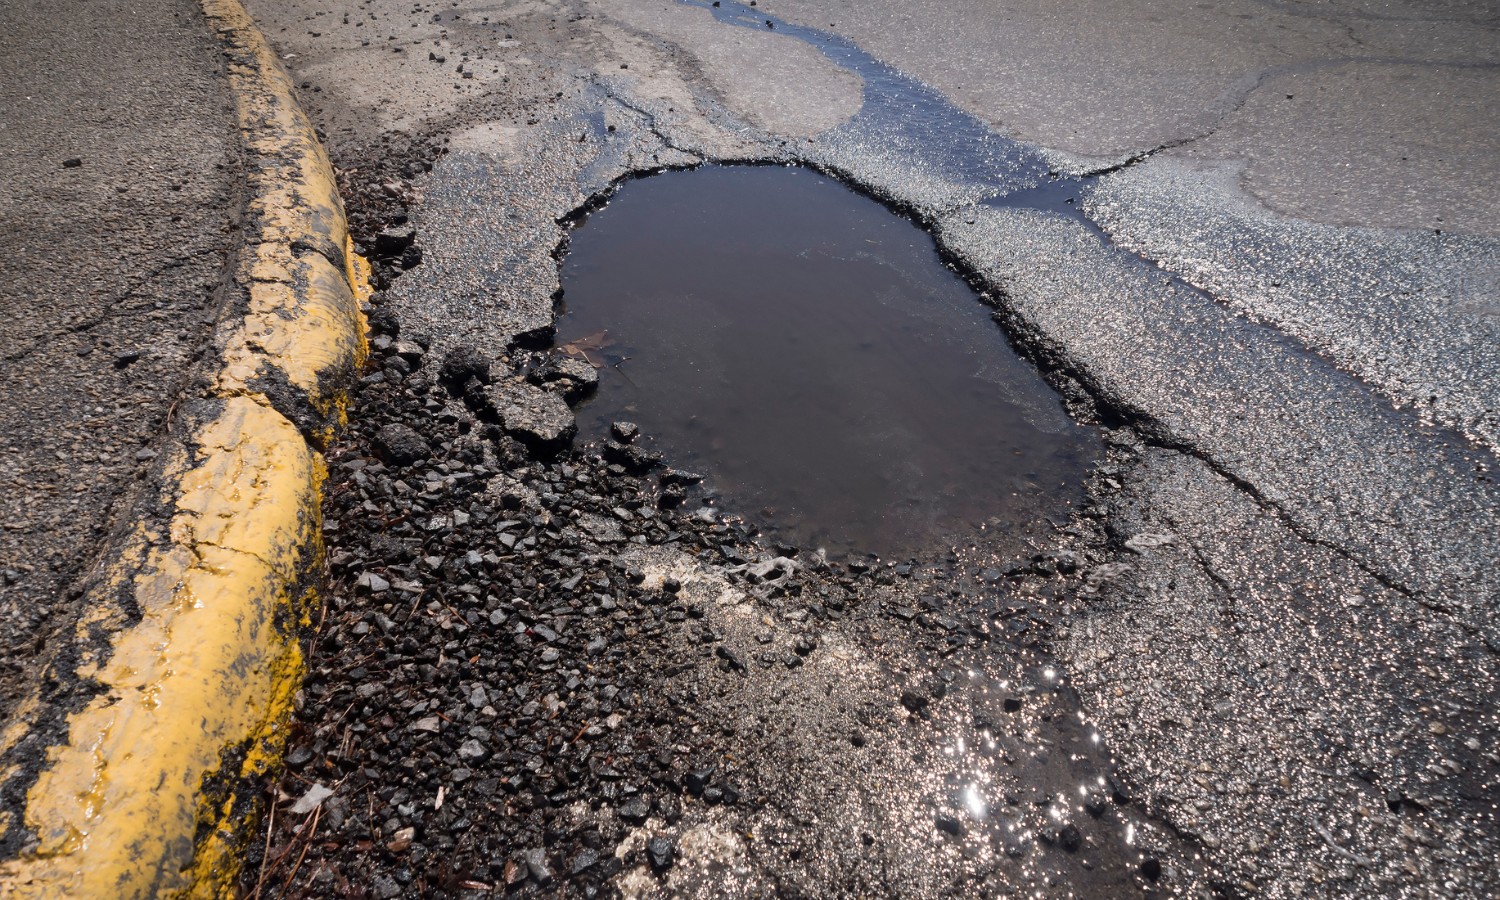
[(809, 352), (898, 119)]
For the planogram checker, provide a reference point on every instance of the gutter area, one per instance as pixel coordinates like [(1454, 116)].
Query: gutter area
[(152, 718)]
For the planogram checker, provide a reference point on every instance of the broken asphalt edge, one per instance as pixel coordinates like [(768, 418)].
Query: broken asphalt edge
[(186, 656)]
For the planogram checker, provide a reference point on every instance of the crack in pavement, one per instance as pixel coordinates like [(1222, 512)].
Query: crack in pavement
[(113, 307), (1302, 11)]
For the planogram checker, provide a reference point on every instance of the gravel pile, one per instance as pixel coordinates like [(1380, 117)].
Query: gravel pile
[(485, 639), (527, 673)]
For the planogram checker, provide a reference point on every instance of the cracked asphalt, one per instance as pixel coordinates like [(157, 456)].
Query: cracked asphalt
[(1253, 247), (120, 160)]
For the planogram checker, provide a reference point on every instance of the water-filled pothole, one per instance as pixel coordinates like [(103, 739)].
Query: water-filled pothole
[(809, 352)]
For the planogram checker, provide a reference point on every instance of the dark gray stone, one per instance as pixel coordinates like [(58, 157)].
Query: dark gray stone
[(635, 810), (576, 378), (536, 864), (393, 240), (400, 445), (463, 363), (661, 852), (539, 419)]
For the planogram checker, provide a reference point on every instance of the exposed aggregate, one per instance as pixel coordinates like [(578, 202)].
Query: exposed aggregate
[(508, 687)]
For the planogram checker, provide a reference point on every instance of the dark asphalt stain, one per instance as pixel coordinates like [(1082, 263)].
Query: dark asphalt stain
[(811, 353), (903, 115)]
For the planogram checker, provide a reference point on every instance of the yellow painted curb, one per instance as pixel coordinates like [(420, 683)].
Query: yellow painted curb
[(146, 794)]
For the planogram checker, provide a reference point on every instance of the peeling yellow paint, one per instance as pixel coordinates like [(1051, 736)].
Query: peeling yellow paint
[(299, 280), (16, 730), (359, 276), (204, 670), (206, 675), (219, 854), (300, 327)]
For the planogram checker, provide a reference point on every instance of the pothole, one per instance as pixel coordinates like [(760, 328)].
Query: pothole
[(809, 352)]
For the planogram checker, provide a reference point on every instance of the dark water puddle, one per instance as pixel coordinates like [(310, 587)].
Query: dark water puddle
[(809, 352)]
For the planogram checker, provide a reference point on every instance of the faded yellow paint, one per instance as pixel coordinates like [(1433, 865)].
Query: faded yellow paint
[(204, 670), (359, 277), (205, 676), (301, 304)]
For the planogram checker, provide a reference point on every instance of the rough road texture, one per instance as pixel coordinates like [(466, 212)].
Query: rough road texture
[(1344, 112), (120, 160), (535, 674), (1277, 612)]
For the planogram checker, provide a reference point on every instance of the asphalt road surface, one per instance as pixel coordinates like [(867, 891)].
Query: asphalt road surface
[(120, 164), (1253, 246)]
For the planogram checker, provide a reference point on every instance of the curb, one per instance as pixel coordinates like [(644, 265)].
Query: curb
[(186, 659)]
